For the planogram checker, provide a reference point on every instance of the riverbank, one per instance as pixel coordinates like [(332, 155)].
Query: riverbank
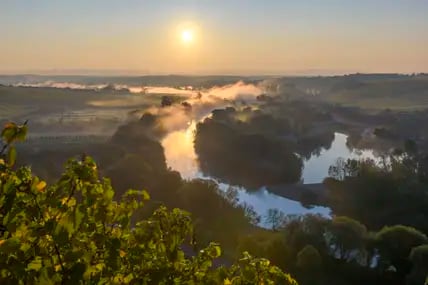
[(308, 195)]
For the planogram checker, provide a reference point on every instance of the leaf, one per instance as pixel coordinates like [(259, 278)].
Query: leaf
[(217, 251), (9, 132), (11, 156), (25, 247), (128, 278), (213, 250), (21, 133), (9, 125), (145, 195), (41, 186), (122, 253), (36, 264), (9, 245), (77, 272), (78, 216)]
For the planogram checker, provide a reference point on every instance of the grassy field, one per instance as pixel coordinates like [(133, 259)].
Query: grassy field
[(398, 94), (53, 110), (370, 91), (398, 104)]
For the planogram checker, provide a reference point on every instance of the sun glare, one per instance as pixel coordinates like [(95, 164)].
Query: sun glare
[(187, 36)]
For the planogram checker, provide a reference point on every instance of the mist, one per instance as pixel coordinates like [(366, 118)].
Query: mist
[(201, 103)]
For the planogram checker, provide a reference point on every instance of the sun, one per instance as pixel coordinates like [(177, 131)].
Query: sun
[(186, 36)]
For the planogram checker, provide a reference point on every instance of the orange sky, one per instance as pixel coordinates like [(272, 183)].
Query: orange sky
[(244, 37)]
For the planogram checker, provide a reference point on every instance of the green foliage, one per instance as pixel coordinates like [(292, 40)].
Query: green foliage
[(309, 264), (219, 217), (309, 258), (11, 133), (395, 244), (75, 232), (419, 258), (397, 241), (419, 255), (251, 270), (346, 237), (251, 158), (378, 194)]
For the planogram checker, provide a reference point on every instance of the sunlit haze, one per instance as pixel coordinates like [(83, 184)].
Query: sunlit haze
[(214, 36), (187, 36)]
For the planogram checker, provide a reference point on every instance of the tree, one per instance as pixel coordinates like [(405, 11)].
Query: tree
[(343, 168), (346, 237), (74, 232), (419, 258), (309, 263), (398, 185), (251, 214), (309, 258), (306, 230), (166, 101), (275, 218), (395, 244)]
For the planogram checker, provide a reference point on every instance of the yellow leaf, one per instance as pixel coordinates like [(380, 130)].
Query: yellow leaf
[(71, 202), (57, 267), (122, 253), (41, 186), (227, 282), (2, 241), (9, 125)]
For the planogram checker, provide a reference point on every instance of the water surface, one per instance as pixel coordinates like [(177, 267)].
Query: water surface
[(181, 156), (316, 168)]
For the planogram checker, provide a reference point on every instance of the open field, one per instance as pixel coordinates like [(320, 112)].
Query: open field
[(54, 110)]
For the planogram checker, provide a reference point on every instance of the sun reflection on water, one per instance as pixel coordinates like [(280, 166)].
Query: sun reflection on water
[(180, 153)]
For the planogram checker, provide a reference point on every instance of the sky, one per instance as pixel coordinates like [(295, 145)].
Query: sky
[(227, 36)]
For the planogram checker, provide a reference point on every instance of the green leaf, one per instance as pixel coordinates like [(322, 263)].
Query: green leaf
[(36, 264), (25, 247), (21, 133), (9, 132), (145, 195), (77, 272), (217, 251), (11, 156), (78, 216), (213, 250), (9, 245)]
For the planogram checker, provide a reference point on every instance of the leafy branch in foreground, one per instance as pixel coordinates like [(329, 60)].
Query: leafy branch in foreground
[(74, 232)]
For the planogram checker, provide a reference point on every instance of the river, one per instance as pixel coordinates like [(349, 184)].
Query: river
[(181, 156)]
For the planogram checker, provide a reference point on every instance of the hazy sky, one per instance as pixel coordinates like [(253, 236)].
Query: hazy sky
[(248, 37)]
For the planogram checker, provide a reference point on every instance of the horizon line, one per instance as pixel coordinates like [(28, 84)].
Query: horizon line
[(144, 73)]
